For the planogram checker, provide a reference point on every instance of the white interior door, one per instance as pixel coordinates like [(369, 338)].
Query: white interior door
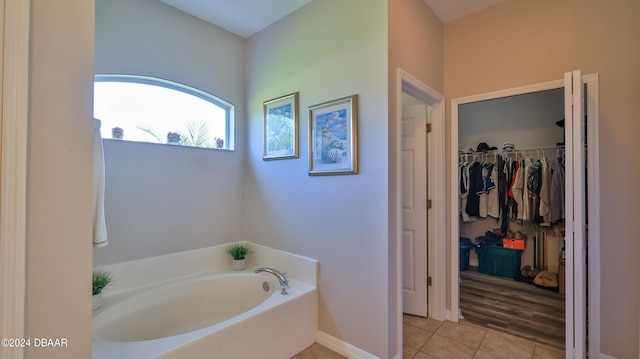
[(575, 232), (414, 209)]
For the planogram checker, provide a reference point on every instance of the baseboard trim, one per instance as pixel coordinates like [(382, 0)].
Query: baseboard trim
[(453, 317), (604, 356), (342, 347)]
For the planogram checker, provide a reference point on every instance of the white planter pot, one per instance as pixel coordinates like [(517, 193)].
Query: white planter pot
[(239, 264), (96, 301)]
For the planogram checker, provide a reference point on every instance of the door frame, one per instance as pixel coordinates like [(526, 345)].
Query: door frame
[(436, 177), (593, 191), (14, 108)]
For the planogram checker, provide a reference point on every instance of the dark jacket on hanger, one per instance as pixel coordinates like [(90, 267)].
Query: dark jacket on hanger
[(473, 200)]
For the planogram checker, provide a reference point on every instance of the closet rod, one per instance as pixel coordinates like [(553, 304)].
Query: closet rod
[(528, 149), (515, 150)]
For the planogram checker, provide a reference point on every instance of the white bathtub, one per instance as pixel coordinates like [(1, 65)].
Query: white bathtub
[(181, 307), (228, 315)]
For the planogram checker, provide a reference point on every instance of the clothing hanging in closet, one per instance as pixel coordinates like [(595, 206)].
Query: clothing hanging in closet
[(556, 196), (509, 188)]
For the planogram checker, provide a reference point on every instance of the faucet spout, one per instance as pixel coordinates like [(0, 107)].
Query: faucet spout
[(281, 276)]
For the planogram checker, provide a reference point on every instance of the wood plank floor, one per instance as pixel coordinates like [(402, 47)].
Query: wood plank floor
[(513, 307)]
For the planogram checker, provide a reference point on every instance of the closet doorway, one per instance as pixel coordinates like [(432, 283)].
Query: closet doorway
[(579, 146)]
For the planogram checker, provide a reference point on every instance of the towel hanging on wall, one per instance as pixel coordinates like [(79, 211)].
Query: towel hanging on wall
[(99, 224)]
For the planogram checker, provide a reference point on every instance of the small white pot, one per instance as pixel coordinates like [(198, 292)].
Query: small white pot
[(96, 301), (239, 264)]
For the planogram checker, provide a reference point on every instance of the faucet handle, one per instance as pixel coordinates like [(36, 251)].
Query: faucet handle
[(285, 284)]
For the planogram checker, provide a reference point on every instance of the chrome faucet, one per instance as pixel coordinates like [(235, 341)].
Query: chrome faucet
[(282, 278)]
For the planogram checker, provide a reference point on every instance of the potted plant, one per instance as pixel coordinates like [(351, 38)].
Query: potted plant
[(239, 252), (100, 280)]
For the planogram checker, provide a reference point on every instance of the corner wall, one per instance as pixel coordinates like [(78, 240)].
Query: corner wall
[(327, 50), (416, 40), (415, 46), (59, 205), (163, 199), (520, 43)]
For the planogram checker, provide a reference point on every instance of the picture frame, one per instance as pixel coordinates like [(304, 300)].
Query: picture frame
[(280, 128), (333, 137)]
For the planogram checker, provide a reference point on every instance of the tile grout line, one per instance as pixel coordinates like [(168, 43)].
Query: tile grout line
[(480, 344), (535, 347), (431, 335)]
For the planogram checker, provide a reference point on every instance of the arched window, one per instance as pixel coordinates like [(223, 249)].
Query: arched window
[(146, 109)]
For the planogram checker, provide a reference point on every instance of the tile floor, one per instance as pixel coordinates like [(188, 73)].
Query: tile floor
[(426, 338), (317, 351)]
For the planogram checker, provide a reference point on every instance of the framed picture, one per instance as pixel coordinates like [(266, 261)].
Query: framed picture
[(333, 137), (281, 128)]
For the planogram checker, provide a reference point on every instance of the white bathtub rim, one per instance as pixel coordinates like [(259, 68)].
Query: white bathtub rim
[(295, 287), (102, 318), (147, 272), (110, 298), (155, 347)]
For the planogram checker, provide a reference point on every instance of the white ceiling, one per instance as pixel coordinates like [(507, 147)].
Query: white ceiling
[(242, 17), (246, 17)]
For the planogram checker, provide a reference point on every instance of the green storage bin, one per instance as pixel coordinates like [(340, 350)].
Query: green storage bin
[(500, 261)]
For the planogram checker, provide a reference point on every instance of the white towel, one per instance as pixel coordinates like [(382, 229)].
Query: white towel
[(99, 225)]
